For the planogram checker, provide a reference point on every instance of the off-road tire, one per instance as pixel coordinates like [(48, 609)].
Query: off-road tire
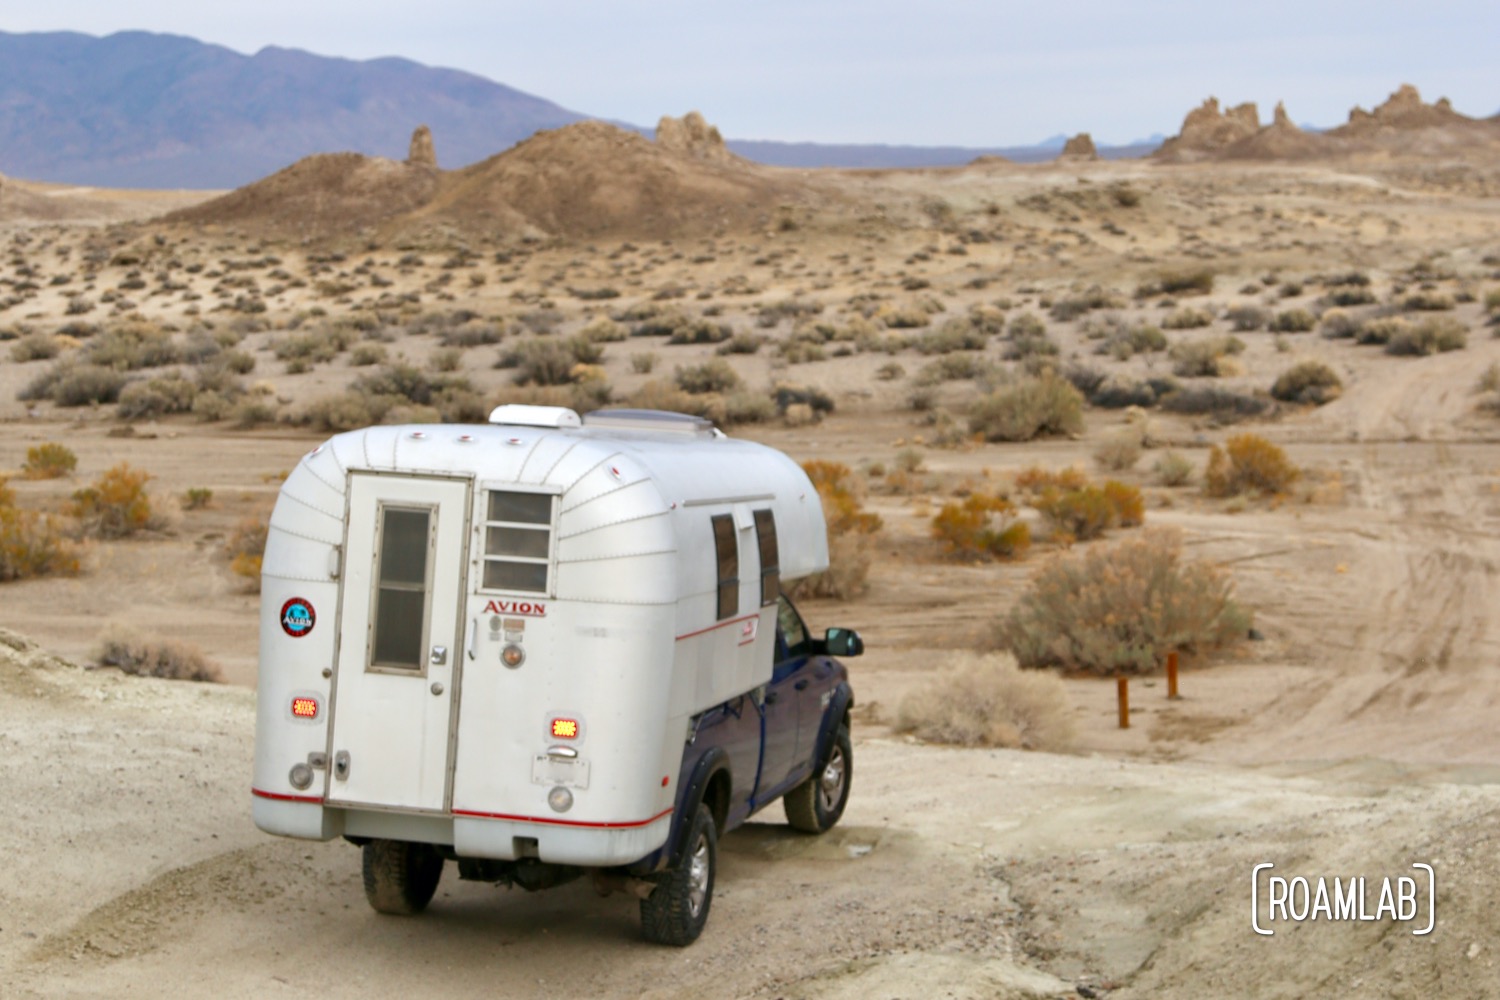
[(400, 877), (816, 805), (677, 908)]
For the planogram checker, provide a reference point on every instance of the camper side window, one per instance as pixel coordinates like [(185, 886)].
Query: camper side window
[(727, 554), (770, 557), (517, 541)]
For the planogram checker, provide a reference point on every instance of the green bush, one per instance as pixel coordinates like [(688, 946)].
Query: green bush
[(1121, 609), (1029, 407)]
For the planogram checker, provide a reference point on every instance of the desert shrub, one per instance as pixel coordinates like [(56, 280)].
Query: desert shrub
[(168, 394), (1247, 463), (643, 362), (1045, 404), (1427, 301), (365, 355), (1204, 358), (1121, 609), (1187, 318), (714, 375), (1243, 319), (1308, 382), (69, 384), (197, 498), (1192, 281), (1222, 406), (602, 329), (981, 524), (986, 700), (1119, 451), (483, 334), (954, 335), (660, 395), (816, 400), (772, 313), (1076, 304), (890, 371), (741, 343), (49, 461), (245, 549), (1431, 336), (1089, 511), (1293, 321), (745, 407), (701, 331), (131, 346), (540, 361), (952, 368), (35, 347), (1381, 330), (172, 659), (1350, 297), (1125, 344), (31, 544), (1026, 325), (1337, 324), (1492, 301), (1173, 469), (116, 505), (1023, 346), (1035, 479), (850, 527), (445, 359)]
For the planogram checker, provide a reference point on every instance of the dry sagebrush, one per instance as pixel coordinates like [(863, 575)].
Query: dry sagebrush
[(987, 700), (1121, 609)]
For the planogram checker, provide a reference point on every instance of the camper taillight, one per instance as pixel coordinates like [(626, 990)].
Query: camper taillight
[(304, 708), (565, 729)]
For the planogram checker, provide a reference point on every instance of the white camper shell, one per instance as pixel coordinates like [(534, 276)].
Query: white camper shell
[(495, 638)]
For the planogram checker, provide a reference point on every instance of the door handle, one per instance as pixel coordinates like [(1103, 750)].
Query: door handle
[(438, 656), (473, 638)]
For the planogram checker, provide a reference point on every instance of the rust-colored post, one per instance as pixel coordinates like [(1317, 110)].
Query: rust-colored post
[(1123, 684), (1172, 676)]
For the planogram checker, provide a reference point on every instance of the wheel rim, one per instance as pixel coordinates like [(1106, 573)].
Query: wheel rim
[(698, 876), (831, 781)]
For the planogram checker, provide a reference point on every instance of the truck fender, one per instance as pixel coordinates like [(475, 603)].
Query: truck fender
[(838, 707), (713, 761)]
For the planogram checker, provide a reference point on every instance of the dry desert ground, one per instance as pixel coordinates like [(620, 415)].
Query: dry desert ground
[(1354, 734)]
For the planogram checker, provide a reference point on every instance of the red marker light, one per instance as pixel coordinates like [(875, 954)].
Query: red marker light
[(305, 708), (565, 729)]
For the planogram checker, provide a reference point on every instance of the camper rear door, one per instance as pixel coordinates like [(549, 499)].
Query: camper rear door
[(399, 653)]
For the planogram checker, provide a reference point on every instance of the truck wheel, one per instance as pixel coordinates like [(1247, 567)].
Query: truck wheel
[(400, 877), (816, 804), (677, 908)]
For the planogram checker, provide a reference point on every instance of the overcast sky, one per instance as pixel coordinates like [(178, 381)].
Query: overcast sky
[(926, 72)]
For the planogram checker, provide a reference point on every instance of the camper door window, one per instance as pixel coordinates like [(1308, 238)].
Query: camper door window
[(727, 554), (405, 545), (517, 541)]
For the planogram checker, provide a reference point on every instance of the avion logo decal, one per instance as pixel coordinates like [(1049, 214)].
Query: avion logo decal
[(298, 617), (529, 608)]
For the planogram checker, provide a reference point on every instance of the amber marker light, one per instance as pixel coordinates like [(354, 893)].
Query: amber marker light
[(305, 708), (565, 729)]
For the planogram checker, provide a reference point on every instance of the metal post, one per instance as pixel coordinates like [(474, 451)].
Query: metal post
[(1123, 685), (1172, 676)]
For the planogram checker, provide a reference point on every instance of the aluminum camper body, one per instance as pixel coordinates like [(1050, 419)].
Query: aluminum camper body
[(499, 639)]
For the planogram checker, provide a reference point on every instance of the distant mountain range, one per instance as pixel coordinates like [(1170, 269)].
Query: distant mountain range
[(138, 109)]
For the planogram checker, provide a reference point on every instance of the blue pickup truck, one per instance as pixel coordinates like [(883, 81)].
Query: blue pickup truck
[(553, 647)]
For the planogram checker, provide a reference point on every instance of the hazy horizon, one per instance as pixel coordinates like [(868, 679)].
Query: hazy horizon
[(953, 73)]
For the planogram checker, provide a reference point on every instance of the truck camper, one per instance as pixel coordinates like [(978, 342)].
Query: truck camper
[(545, 648)]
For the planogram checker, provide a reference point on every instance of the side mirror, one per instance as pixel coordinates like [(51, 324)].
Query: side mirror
[(843, 642)]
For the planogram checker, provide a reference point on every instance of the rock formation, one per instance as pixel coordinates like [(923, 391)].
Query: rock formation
[(691, 136), (1403, 110), (1207, 130), (1080, 147), (422, 153)]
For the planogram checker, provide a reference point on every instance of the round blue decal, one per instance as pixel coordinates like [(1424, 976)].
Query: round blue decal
[(298, 617)]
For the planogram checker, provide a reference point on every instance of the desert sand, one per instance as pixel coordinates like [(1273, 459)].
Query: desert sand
[(1355, 735)]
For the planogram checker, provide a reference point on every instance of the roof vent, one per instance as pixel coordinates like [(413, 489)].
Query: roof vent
[(656, 421), (524, 415)]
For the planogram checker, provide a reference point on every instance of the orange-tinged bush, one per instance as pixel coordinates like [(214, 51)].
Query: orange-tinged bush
[(1037, 479), (245, 549), (116, 505), (849, 526), (981, 524), (1247, 463), (49, 461), (32, 545), (1126, 501)]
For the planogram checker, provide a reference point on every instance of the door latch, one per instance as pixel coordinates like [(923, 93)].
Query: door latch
[(341, 765), (438, 656)]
